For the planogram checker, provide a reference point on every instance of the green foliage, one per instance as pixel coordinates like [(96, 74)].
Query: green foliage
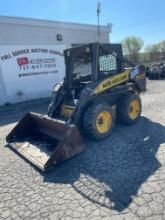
[(156, 51), (144, 56), (131, 47), (162, 49)]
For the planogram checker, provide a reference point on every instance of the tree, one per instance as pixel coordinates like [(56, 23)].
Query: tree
[(153, 51), (143, 56), (132, 47), (162, 49)]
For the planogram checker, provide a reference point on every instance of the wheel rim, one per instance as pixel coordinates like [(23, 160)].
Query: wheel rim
[(134, 109), (103, 122)]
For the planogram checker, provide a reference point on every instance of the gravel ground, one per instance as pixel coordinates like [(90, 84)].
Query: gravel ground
[(122, 177)]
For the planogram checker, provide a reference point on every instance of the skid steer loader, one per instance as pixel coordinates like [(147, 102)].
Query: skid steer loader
[(96, 90)]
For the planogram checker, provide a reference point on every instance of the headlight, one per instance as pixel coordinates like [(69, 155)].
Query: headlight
[(57, 86), (134, 72)]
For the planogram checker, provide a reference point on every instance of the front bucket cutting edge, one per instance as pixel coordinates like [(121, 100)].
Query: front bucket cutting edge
[(45, 141)]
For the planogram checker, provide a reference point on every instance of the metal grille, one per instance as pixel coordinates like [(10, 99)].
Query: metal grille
[(107, 63), (81, 69)]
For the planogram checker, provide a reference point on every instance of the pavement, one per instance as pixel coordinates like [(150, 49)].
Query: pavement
[(122, 177)]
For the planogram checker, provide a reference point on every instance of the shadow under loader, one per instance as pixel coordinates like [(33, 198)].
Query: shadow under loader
[(110, 173)]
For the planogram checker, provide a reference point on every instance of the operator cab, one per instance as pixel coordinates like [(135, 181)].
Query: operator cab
[(90, 63)]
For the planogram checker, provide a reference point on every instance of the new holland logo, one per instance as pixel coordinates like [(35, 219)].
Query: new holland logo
[(112, 81)]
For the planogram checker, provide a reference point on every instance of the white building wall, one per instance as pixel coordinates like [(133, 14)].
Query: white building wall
[(3, 95), (12, 34)]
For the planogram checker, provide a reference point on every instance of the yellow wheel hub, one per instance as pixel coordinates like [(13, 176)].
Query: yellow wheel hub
[(134, 109), (103, 122)]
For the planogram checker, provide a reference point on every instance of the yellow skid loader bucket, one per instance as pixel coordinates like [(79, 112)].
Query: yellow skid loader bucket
[(45, 141)]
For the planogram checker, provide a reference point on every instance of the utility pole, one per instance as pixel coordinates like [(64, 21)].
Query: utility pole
[(98, 40), (98, 21)]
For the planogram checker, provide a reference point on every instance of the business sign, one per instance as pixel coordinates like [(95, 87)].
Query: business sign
[(29, 69)]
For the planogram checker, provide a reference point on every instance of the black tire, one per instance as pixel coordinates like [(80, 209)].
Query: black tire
[(124, 109), (91, 120)]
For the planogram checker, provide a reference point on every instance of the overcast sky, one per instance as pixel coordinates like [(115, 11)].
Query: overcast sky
[(142, 18)]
